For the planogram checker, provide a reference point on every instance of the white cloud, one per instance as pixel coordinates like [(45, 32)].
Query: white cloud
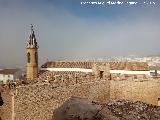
[(62, 35)]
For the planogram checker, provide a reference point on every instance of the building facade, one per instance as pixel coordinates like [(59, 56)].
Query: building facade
[(10, 75)]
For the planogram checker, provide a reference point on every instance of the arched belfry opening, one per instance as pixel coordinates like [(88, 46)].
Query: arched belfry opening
[(28, 57), (36, 57)]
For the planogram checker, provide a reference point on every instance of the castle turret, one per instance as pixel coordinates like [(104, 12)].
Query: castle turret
[(32, 56)]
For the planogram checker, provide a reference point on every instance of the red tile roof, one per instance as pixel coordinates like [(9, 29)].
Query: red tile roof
[(9, 71)]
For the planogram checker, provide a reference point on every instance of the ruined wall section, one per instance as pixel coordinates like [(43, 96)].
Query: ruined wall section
[(6, 110), (101, 70), (37, 102), (142, 90)]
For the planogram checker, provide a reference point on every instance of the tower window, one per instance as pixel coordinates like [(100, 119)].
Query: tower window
[(28, 57), (101, 74), (36, 57)]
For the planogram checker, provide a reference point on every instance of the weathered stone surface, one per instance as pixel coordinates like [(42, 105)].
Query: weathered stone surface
[(82, 109), (147, 91), (128, 110), (6, 109), (37, 101)]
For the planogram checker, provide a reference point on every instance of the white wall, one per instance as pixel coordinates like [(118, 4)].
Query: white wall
[(130, 72), (15, 76), (68, 69), (4, 77), (90, 70)]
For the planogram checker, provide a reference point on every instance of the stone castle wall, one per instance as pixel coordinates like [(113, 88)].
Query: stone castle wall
[(6, 110), (38, 101), (142, 90)]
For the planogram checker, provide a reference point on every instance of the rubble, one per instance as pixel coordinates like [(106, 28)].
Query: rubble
[(128, 110), (77, 108), (82, 109)]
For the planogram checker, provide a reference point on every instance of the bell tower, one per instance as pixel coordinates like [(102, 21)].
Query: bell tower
[(32, 56)]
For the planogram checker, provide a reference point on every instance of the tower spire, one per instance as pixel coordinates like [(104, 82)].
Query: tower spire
[(32, 43)]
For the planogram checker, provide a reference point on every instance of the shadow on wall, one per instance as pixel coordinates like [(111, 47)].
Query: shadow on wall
[(1, 101)]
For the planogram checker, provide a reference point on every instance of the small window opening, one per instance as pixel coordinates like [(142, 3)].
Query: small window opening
[(101, 74)]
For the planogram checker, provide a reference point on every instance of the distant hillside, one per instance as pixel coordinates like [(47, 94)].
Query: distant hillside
[(2, 67), (153, 55)]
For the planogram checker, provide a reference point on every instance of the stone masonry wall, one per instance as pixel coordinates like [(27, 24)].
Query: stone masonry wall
[(37, 102), (147, 90), (6, 110)]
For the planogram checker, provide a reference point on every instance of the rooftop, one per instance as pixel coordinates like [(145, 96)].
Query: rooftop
[(9, 71), (114, 65)]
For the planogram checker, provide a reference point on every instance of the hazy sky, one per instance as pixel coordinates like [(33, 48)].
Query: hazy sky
[(65, 29)]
